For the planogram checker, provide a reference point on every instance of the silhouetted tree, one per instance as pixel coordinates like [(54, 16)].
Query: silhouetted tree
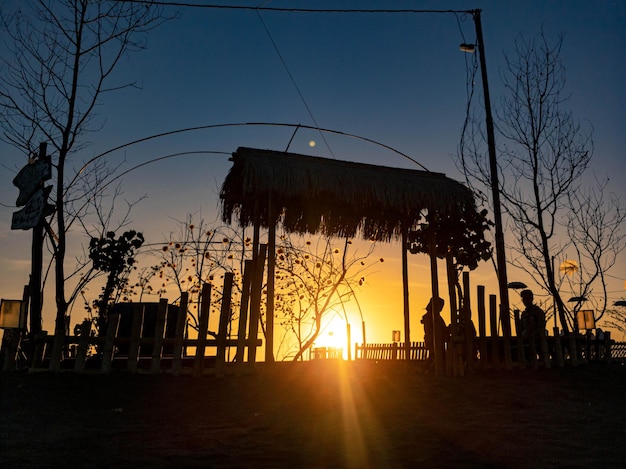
[(312, 280), (115, 257), (58, 66)]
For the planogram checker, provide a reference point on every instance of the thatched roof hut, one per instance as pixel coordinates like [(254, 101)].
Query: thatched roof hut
[(322, 195), (341, 198)]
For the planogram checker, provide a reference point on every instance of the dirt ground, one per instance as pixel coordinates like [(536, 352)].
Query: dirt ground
[(316, 415)]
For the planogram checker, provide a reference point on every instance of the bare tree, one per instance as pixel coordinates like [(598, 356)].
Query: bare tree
[(198, 253), (313, 279), (56, 69), (543, 154)]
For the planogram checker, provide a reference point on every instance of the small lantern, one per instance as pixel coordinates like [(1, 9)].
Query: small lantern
[(12, 314), (586, 319)]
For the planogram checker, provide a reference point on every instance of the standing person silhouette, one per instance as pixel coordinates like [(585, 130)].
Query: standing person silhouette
[(440, 333), (533, 317)]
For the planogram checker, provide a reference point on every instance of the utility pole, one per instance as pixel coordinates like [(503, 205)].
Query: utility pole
[(495, 187)]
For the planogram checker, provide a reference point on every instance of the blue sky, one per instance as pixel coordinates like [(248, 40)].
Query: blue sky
[(395, 78)]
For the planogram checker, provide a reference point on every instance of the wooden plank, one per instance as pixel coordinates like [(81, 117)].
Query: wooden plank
[(203, 327), (159, 331), (177, 359), (109, 343), (83, 346), (558, 348), (135, 337), (222, 332)]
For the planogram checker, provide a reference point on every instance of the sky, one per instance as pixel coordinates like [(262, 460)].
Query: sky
[(398, 79)]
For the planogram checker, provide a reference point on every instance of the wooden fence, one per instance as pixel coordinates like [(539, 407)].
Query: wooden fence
[(489, 352), (394, 351), (134, 341)]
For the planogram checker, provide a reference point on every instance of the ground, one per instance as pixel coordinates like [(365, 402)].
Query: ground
[(316, 415)]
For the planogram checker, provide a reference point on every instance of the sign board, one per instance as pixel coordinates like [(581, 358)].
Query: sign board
[(12, 315), (586, 319), (30, 216), (30, 178)]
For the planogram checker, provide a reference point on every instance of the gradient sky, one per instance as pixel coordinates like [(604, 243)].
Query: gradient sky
[(399, 79)]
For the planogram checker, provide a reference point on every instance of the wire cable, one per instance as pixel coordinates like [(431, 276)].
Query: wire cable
[(291, 10), (293, 81)]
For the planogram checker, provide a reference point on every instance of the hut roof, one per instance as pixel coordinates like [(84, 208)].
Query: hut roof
[(312, 194)]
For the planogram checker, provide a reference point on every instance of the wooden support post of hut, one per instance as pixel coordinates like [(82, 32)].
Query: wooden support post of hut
[(405, 296), (271, 272)]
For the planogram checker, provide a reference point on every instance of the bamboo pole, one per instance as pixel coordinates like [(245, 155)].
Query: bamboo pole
[(405, 294)]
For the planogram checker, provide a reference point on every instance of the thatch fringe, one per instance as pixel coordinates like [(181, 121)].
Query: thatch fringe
[(321, 195)]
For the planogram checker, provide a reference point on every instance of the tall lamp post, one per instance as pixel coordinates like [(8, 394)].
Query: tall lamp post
[(495, 187)]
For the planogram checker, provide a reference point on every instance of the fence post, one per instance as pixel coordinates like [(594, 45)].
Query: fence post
[(203, 327), (220, 356), (135, 338), (573, 349), (248, 271), (159, 331), (109, 343), (83, 346), (493, 317), (521, 360), (255, 303), (177, 359), (482, 330), (543, 341), (607, 347), (558, 348)]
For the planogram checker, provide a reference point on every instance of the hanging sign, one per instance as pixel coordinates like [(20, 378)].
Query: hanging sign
[(36, 207), (30, 178)]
